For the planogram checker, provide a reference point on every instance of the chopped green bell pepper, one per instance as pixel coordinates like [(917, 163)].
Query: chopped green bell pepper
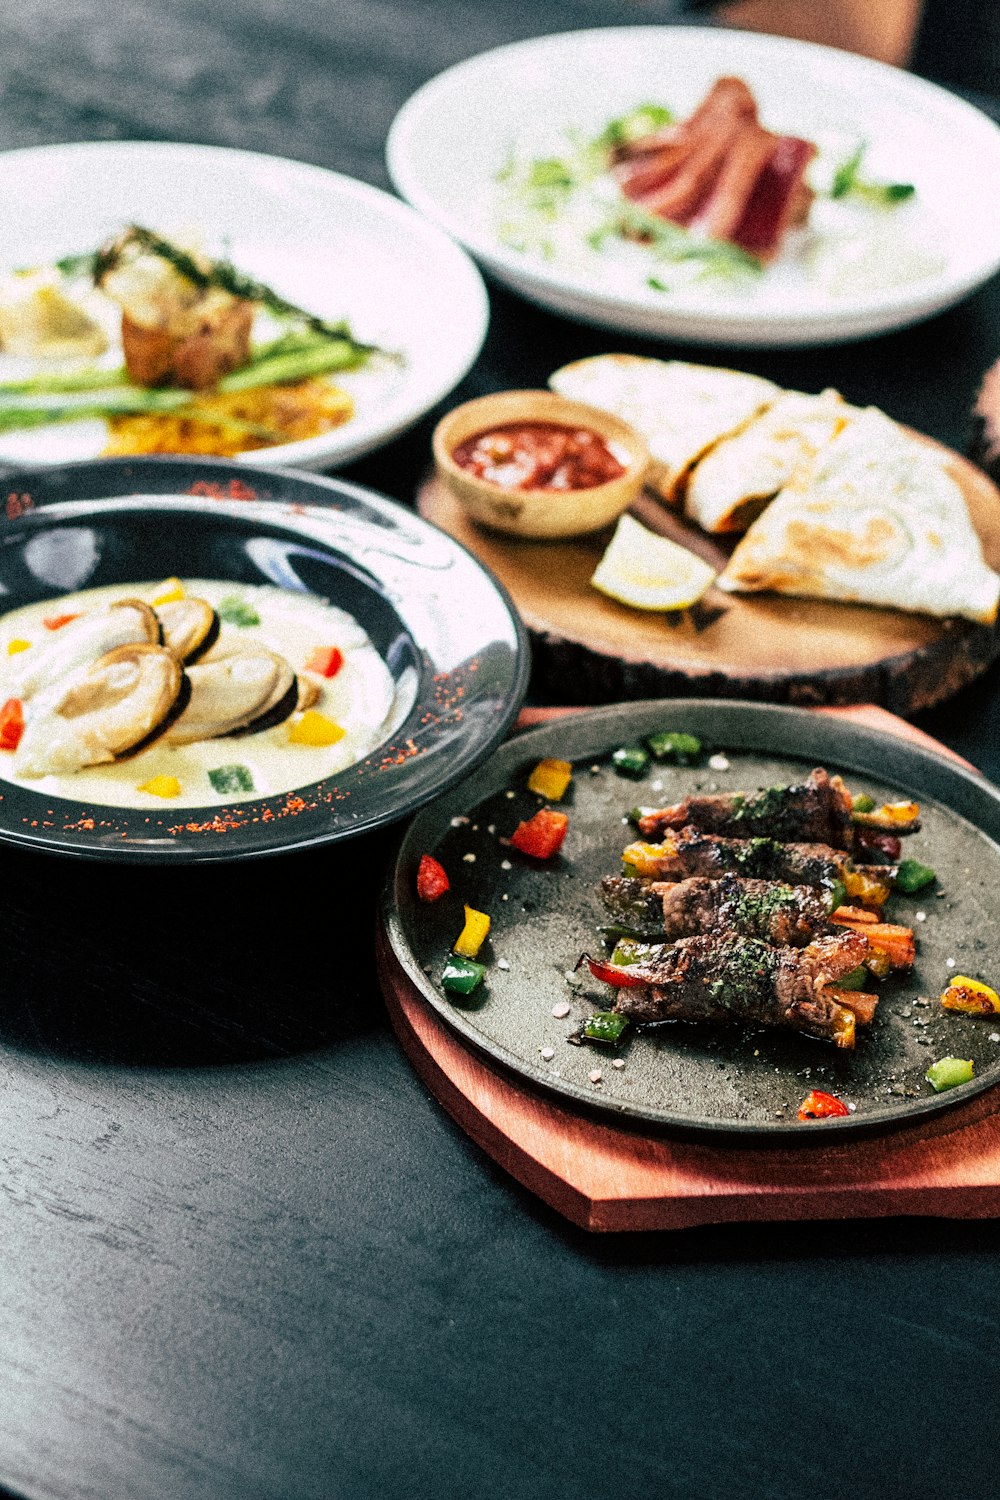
[(672, 745), (605, 1026), (630, 760), (913, 876), (462, 975), (948, 1073)]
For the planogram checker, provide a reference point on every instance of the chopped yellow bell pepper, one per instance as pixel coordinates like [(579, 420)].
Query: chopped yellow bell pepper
[(645, 859), (162, 786), (864, 888), (473, 934), (171, 590), (315, 729), (550, 778), (971, 996), (16, 645)]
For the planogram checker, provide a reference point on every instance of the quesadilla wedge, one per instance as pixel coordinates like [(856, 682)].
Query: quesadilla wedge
[(730, 486), (874, 519), (680, 409)]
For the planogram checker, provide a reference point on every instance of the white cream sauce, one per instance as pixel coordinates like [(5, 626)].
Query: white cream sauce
[(362, 699)]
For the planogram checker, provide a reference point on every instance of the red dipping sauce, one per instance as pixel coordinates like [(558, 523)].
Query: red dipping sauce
[(539, 456)]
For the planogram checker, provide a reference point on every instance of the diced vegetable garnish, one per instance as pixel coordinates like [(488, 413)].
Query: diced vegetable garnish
[(473, 934), (432, 879), (632, 951), (671, 745), (611, 974), (855, 980), (642, 120), (864, 888), (642, 859), (236, 611), (837, 895), (314, 728), (878, 963), (550, 778), (638, 813), (971, 996), (949, 1072), (862, 803), (542, 835), (605, 1026), (848, 914), (162, 786), (462, 975), (228, 779), (820, 1106), (169, 592), (630, 760), (885, 937), (11, 724), (862, 1004), (56, 622), (913, 876), (901, 815), (16, 646), (326, 661)]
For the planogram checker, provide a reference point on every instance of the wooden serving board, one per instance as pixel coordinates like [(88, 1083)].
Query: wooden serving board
[(588, 649), (603, 1177)]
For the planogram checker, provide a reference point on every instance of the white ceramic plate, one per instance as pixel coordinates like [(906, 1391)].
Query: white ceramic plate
[(453, 136), (335, 246)]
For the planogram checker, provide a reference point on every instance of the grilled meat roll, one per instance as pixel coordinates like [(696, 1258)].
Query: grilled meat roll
[(788, 915), (817, 811), (735, 980), (692, 852)]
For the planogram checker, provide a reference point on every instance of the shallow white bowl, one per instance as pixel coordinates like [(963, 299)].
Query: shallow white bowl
[(450, 139), (338, 247)]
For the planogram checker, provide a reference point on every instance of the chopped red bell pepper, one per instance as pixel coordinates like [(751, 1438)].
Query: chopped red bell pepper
[(11, 724), (542, 835), (432, 879), (820, 1106), (622, 978), (326, 661), (56, 622)]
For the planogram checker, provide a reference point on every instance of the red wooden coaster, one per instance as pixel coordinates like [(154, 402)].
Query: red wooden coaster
[(603, 1177)]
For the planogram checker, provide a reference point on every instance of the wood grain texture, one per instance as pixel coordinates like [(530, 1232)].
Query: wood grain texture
[(590, 649), (606, 1178)]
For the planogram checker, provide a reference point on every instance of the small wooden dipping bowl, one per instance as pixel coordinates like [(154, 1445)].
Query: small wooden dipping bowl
[(539, 512)]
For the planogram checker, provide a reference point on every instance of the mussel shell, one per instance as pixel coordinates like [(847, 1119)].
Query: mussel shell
[(229, 694), (190, 628), (109, 709)]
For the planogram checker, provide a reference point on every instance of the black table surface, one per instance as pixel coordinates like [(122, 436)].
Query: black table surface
[(243, 1253)]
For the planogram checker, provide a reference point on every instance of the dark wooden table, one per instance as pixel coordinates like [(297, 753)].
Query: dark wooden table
[(243, 1255)]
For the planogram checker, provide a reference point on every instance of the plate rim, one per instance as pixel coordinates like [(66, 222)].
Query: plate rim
[(891, 309), (890, 750), (135, 854), (310, 453)]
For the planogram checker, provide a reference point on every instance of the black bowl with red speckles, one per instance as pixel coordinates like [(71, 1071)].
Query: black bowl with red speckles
[(444, 627)]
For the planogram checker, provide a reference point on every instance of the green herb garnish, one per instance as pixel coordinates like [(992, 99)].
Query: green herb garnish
[(847, 179), (235, 611), (642, 120), (675, 746), (230, 779), (605, 1026), (913, 876)]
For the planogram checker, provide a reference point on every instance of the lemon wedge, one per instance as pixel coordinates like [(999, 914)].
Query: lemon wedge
[(648, 571)]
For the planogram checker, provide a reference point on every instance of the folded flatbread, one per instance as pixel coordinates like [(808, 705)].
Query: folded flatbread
[(680, 409), (729, 487), (876, 518)]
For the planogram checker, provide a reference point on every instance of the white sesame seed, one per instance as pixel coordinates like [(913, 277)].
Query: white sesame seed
[(492, 828), (619, 1062), (851, 1108), (950, 962), (505, 864), (475, 827), (995, 1036), (718, 763), (626, 821), (921, 916), (595, 770), (548, 1053), (561, 1009), (594, 1075), (505, 897), (470, 859), (509, 796), (502, 964), (459, 822), (656, 786)]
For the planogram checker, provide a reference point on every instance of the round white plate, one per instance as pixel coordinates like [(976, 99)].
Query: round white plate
[(453, 136), (328, 243)]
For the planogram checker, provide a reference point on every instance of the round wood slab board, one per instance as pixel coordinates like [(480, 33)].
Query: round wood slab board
[(588, 649)]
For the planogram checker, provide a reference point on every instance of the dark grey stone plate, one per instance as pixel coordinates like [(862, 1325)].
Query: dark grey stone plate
[(690, 1077)]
